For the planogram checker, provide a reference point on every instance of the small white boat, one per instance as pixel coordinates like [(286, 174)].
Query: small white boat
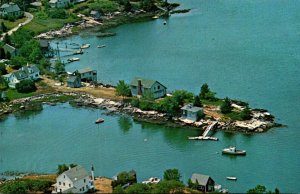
[(101, 46), (232, 178), (84, 46), (152, 180), (100, 120), (73, 59), (233, 151), (155, 17)]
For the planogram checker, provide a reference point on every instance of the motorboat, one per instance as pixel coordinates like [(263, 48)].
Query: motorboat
[(101, 46), (232, 178), (84, 46), (233, 151), (100, 120), (73, 59), (152, 180)]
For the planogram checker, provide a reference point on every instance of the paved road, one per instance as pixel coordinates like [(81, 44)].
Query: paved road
[(29, 17)]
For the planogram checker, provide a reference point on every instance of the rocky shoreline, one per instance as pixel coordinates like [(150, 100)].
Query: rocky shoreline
[(261, 120)]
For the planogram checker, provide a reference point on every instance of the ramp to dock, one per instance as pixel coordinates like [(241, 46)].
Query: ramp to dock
[(209, 128)]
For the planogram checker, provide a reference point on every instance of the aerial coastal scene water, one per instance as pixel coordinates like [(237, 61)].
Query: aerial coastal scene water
[(247, 51)]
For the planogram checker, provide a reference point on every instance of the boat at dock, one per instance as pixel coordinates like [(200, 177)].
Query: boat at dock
[(233, 151), (73, 59), (85, 46), (232, 178), (101, 46), (152, 180), (100, 120)]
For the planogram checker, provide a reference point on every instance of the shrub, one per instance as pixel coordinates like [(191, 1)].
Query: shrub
[(25, 86), (226, 106), (57, 13)]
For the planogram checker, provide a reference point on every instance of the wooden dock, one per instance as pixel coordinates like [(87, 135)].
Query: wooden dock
[(204, 135)]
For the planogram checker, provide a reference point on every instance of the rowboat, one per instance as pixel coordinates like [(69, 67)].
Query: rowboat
[(101, 46), (84, 46), (232, 178)]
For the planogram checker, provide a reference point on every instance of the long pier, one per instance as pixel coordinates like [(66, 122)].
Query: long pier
[(204, 135)]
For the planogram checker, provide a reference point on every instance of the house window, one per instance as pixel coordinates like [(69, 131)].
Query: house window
[(87, 186), (64, 176), (158, 87), (69, 185), (79, 189), (84, 180), (64, 184), (82, 188), (59, 183)]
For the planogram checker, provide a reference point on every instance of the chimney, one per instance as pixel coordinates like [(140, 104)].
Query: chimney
[(92, 170), (139, 87)]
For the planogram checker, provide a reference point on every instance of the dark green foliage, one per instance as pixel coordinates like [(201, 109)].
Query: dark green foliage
[(20, 37), (57, 13), (17, 62), (2, 69), (172, 174), (32, 51), (135, 102), (148, 5), (118, 190), (8, 55), (259, 189), (26, 86), (2, 53), (123, 89), (3, 84), (6, 39), (26, 186), (138, 188), (124, 178), (59, 67), (200, 115), (3, 27), (61, 168), (245, 114), (171, 186), (127, 6), (206, 94), (226, 106), (193, 185), (197, 101)]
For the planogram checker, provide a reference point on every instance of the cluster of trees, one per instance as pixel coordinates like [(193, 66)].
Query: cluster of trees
[(260, 189), (25, 86), (170, 184), (27, 186), (124, 178), (64, 167), (3, 28)]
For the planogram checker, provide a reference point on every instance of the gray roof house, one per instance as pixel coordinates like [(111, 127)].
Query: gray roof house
[(74, 180), (87, 74), (190, 112), (27, 72), (11, 10), (74, 81), (140, 86), (205, 182), (10, 49), (59, 3)]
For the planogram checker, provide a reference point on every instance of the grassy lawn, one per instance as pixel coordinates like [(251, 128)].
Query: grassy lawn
[(236, 116), (218, 102), (10, 24)]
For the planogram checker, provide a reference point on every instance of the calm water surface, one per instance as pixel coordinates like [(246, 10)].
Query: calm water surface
[(247, 50)]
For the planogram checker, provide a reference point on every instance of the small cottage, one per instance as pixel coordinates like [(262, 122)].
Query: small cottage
[(95, 15), (204, 182), (32, 72), (10, 49), (190, 112), (74, 81), (10, 10), (74, 180), (59, 3), (140, 86), (87, 74)]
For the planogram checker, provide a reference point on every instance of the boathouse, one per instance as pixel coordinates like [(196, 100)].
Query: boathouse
[(141, 86), (74, 81), (204, 182), (87, 74), (74, 180), (191, 112)]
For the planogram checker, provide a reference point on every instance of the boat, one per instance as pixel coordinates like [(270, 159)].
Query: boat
[(100, 120), (155, 17), (232, 178), (84, 46), (233, 151), (73, 59), (165, 22), (152, 180), (79, 52), (101, 46)]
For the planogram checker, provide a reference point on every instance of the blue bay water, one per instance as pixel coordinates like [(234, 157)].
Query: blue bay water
[(247, 50)]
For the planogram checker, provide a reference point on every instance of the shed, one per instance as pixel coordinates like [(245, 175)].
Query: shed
[(74, 82), (205, 182), (190, 112), (10, 49)]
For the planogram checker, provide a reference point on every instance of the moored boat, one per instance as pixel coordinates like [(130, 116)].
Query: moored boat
[(100, 120), (84, 46), (233, 151), (101, 46), (152, 180), (73, 59), (232, 178)]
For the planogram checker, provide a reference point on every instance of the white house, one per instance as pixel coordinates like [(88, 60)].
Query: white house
[(27, 72), (74, 180), (59, 3)]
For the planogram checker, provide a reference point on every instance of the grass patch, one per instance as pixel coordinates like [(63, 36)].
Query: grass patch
[(216, 102), (236, 116), (10, 24), (13, 94)]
